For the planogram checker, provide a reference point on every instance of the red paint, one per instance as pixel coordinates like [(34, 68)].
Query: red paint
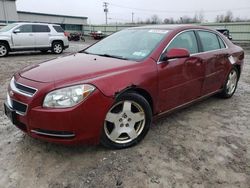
[(170, 84)]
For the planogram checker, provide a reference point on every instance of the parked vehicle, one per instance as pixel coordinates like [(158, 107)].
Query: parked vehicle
[(225, 32), (111, 91), (97, 35), (76, 37), (32, 36)]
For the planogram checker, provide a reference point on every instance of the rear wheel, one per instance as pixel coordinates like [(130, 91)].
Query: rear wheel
[(230, 84), (57, 47), (4, 50), (127, 122)]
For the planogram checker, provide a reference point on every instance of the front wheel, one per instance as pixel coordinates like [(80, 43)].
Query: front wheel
[(4, 50), (127, 122), (57, 47), (230, 84)]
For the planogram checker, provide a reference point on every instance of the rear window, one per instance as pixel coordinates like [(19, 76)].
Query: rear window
[(41, 29), (209, 41), (58, 29)]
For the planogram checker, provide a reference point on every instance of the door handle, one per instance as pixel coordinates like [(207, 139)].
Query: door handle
[(31, 35)]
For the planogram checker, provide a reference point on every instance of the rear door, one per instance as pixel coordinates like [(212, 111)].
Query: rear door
[(181, 79), (23, 37), (215, 56), (42, 36)]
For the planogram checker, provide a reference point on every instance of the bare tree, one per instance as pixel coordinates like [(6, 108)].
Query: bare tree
[(169, 21), (229, 16), (155, 19), (220, 18), (225, 18)]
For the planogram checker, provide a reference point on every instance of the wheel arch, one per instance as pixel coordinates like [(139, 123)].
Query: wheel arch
[(5, 42), (140, 91), (238, 67), (57, 40)]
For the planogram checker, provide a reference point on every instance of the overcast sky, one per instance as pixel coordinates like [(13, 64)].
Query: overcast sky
[(121, 10)]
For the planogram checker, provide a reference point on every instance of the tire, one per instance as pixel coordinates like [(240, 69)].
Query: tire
[(4, 49), (127, 122), (57, 47), (231, 83)]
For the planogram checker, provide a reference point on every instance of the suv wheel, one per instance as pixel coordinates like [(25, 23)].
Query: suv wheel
[(57, 47), (4, 50)]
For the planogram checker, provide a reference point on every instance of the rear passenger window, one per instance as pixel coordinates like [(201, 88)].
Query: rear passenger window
[(25, 29), (58, 29), (222, 44), (41, 28), (209, 41), (185, 40)]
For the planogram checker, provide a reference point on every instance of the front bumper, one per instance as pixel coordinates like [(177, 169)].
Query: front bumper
[(80, 124)]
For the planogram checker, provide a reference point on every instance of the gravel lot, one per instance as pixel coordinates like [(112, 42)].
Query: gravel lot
[(206, 145)]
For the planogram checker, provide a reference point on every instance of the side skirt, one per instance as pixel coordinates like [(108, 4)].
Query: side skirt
[(163, 114)]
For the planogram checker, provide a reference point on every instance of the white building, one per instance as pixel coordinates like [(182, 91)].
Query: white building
[(9, 14)]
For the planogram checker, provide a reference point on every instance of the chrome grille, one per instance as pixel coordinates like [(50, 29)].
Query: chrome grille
[(22, 89), (25, 89)]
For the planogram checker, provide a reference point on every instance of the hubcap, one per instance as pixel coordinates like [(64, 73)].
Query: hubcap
[(58, 48), (3, 50), (124, 122), (231, 82)]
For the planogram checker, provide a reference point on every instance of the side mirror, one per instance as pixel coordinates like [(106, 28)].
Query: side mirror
[(176, 53), (17, 31)]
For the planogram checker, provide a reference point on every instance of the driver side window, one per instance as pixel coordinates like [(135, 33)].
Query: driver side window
[(25, 29), (185, 40)]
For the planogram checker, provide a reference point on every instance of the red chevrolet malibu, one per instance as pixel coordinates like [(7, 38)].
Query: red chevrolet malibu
[(110, 92)]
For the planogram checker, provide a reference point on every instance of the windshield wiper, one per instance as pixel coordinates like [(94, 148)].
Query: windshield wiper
[(112, 56)]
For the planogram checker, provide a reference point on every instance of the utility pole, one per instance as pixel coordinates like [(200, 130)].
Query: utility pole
[(133, 17), (106, 10)]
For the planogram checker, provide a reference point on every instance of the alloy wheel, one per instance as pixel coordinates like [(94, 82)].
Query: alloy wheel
[(3, 50), (124, 122), (58, 48), (231, 82)]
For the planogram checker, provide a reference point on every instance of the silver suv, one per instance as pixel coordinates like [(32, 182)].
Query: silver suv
[(32, 36)]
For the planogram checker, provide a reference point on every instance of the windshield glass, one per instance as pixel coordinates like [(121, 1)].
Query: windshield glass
[(8, 27), (131, 44)]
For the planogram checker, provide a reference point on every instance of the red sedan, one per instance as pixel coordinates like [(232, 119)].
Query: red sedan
[(110, 92)]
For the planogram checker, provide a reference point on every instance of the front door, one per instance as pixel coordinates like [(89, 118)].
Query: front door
[(23, 37), (181, 79)]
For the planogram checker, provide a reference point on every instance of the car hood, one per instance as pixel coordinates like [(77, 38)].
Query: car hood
[(75, 67)]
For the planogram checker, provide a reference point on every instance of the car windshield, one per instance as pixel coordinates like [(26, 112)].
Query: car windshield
[(131, 44), (8, 27)]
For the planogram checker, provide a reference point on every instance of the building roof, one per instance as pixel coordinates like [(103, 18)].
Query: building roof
[(45, 14)]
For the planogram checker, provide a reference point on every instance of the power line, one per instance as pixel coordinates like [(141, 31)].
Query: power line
[(173, 11)]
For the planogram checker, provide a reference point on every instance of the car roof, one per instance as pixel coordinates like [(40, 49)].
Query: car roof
[(173, 27), (35, 23)]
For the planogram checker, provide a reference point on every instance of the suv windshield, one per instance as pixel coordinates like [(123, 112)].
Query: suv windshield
[(8, 27), (131, 44)]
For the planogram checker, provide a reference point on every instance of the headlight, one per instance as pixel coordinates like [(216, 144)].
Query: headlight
[(67, 97)]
